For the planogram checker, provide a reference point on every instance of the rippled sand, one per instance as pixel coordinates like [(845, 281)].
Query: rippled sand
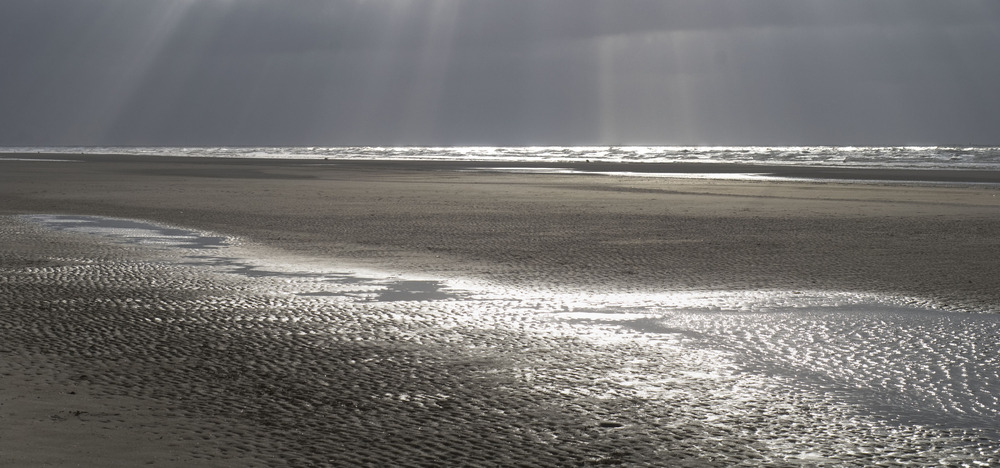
[(127, 342), (352, 313)]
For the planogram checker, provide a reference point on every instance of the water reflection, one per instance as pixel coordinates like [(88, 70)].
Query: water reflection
[(804, 377), (132, 231)]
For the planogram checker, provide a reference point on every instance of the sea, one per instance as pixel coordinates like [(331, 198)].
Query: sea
[(895, 157)]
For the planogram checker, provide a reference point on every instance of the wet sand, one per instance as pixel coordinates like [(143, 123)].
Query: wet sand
[(84, 378), (573, 231)]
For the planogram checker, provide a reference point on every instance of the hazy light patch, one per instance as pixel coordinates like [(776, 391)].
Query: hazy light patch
[(155, 29), (644, 83), (423, 99)]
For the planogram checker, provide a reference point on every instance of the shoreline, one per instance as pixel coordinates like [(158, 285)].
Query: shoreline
[(833, 173)]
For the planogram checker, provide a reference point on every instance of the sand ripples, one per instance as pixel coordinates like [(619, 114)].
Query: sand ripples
[(315, 368)]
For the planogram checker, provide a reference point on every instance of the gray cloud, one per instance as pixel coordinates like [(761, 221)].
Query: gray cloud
[(312, 72)]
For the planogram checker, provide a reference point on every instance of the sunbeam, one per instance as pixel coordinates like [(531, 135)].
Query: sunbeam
[(153, 30), (434, 52)]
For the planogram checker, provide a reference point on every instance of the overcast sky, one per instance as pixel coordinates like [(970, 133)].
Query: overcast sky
[(499, 72)]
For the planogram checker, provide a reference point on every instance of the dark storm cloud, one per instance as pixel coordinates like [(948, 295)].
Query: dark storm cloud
[(328, 72)]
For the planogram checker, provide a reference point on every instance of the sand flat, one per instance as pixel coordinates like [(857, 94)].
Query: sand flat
[(571, 230), (563, 359)]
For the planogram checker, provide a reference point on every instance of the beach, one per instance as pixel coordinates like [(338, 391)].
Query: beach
[(491, 380), (561, 230)]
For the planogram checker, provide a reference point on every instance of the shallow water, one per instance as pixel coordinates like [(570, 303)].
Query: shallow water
[(131, 231), (968, 157), (507, 376)]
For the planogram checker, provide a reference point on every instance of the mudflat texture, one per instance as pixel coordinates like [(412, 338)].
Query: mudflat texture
[(117, 354)]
